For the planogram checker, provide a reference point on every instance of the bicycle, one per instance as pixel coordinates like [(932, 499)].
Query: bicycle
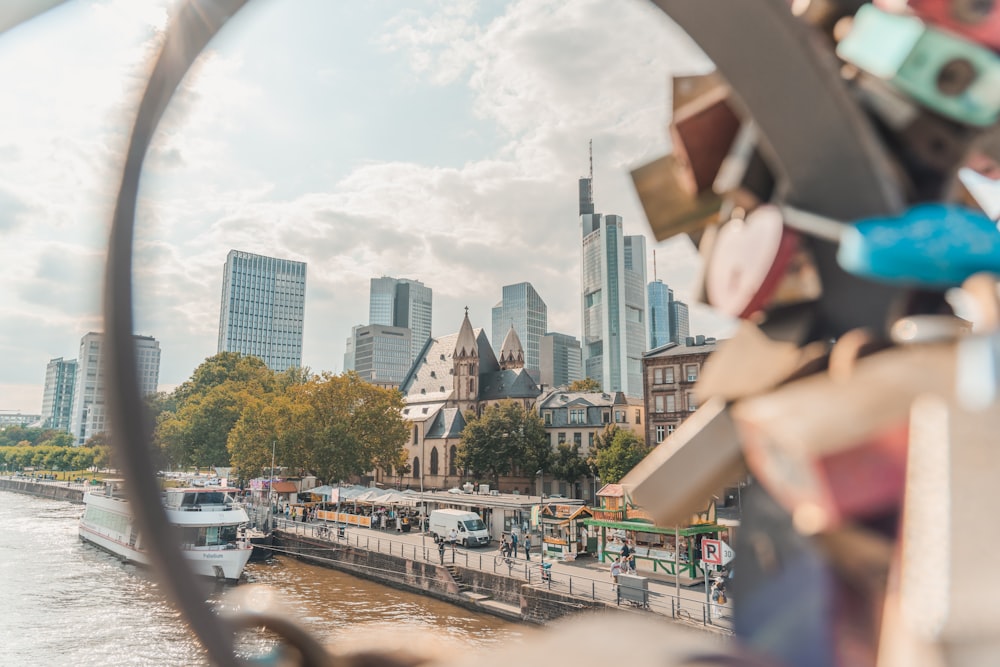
[(504, 557)]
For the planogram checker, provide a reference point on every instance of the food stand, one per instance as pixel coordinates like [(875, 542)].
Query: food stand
[(564, 534)]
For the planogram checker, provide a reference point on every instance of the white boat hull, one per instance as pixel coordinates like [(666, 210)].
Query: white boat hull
[(218, 562)]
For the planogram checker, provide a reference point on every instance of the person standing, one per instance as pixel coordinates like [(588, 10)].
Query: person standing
[(441, 550), (616, 569), (513, 543), (527, 547)]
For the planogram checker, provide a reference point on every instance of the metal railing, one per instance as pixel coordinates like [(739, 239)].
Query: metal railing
[(593, 588)]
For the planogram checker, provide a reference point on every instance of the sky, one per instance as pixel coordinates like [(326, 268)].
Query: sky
[(433, 140)]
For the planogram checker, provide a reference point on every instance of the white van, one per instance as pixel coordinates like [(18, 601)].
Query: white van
[(470, 528)]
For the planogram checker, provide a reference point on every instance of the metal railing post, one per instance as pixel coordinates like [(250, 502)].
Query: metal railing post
[(593, 590)]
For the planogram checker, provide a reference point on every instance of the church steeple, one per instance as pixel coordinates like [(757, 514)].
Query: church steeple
[(511, 352), (466, 361)]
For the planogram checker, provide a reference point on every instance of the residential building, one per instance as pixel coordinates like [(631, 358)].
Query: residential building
[(381, 354), (263, 306), (400, 302), (670, 373), (521, 308), (89, 399), (57, 397), (613, 299), (679, 331), (560, 359), (452, 376), (579, 418)]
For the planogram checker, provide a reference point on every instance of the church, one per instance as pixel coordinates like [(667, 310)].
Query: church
[(453, 375)]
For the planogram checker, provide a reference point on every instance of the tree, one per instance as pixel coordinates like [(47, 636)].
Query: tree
[(506, 437), (585, 385), (624, 452), (567, 465)]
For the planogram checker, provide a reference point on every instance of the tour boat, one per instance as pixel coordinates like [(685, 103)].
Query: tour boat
[(209, 520)]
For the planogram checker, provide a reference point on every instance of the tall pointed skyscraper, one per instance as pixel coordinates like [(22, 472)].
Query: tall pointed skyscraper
[(613, 299)]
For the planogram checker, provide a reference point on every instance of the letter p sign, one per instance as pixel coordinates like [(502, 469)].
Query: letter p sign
[(711, 552)]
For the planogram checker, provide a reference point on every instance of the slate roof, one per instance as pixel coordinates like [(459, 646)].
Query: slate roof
[(498, 385), (675, 350), (431, 377), (418, 412), (447, 424), (512, 350)]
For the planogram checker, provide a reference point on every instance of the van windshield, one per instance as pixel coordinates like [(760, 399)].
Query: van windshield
[(475, 524)]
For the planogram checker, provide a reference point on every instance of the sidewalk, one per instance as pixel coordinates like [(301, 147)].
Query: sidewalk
[(585, 578)]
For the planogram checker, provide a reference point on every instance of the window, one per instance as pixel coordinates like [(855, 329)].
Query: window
[(548, 419), (619, 416), (590, 439), (691, 372), (657, 376), (671, 402), (562, 438), (578, 416), (668, 375), (659, 434), (452, 470), (658, 404), (416, 467), (692, 403), (577, 439), (671, 428), (416, 435), (434, 460), (606, 417)]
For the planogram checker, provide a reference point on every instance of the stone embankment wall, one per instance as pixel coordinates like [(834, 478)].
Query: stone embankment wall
[(536, 604), (54, 490)]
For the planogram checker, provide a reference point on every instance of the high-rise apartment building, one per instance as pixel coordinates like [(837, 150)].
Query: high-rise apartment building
[(679, 328), (613, 299), (399, 302), (522, 308), (263, 305), (560, 359), (57, 397), (89, 403), (381, 354), (660, 297)]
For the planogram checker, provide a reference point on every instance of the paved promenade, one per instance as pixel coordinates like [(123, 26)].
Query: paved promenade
[(584, 578)]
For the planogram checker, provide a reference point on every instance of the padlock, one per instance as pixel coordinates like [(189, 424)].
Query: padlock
[(978, 20), (759, 263), (947, 74), (670, 209), (679, 476), (920, 139), (931, 245), (703, 130)]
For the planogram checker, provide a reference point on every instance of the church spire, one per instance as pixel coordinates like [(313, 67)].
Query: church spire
[(511, 352)]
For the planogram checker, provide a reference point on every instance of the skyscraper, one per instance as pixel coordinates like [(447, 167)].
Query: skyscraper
[(57, 398), (660, 299), (679, 322), (89, 411), (613, 299), (560, 359), (521, 307), (263, 303), (399, 302), (381, 354)]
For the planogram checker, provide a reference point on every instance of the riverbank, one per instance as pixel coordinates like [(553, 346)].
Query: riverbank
[(69, 491)]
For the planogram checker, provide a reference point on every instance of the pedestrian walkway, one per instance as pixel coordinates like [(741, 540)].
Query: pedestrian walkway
[(585, 578)]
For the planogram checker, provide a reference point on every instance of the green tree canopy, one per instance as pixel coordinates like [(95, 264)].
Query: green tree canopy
[(615, 460), (584, 385), (567, 465), (506, 437)]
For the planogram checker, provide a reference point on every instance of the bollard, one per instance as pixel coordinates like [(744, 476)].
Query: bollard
[(593, 590), (570, 584)]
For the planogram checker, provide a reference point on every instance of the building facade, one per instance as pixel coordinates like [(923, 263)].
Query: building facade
[(522, 308), (17, 418), (453, 375), (263, 308), (381, 354), (613, 299), (57, 397), (560, 358), (89, 398), (679, 328), (578, 418), (670, 373), (400, 302)]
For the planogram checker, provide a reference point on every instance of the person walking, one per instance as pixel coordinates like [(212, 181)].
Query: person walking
[(527, 547), (513, 543), (441, 550), (616, 569)]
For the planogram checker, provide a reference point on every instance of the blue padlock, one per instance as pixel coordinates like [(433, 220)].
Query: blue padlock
[(931, 245), (945, 73)]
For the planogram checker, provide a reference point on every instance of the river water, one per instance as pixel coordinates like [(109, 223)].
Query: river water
[(64, 602)]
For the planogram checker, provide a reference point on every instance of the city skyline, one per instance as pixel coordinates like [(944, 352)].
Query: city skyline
[(454, 163)]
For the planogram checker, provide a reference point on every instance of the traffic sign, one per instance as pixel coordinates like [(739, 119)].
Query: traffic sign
[(716, 552)]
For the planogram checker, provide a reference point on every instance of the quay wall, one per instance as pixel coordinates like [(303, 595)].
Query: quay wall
[(54, 490), (535, 604)]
